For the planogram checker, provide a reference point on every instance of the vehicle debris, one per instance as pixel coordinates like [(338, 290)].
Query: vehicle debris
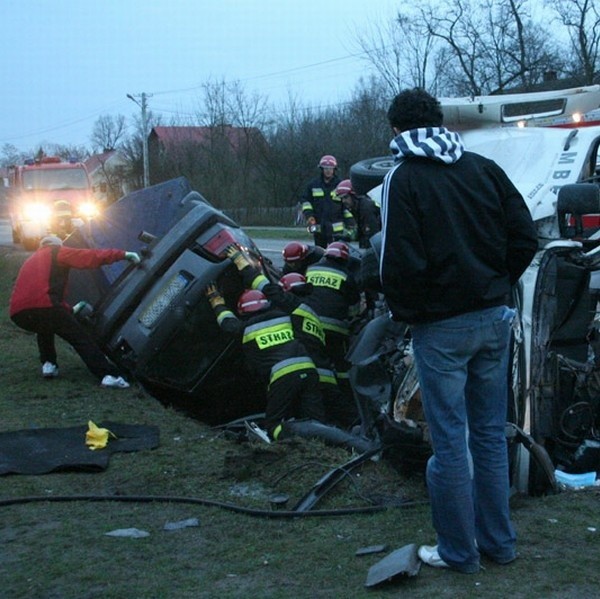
[(370, 550), (575, 481), (189, 522), (401, 562), (131, 533)]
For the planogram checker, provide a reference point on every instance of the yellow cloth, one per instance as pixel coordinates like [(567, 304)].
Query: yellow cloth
[(97, 438)]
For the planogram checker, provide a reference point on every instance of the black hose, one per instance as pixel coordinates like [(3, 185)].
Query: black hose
[(275, 514)]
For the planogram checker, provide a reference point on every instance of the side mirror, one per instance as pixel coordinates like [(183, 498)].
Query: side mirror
[(574, 201)]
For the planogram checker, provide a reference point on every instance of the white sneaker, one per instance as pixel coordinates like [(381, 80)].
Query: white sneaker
[(430, 556), (116, 382), (49, 370)]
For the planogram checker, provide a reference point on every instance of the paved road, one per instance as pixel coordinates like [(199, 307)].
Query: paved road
[(271, 248), (5, 232)]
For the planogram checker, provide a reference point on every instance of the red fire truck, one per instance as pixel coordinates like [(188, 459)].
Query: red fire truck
[(48, 195)]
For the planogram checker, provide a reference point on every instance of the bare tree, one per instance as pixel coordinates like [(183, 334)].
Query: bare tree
[(67, 152), (114, 177), (487, 44), (582, 21), (108, 131), (231, 156), (462, 47), (132, 149), (402, 52), (10, 154)]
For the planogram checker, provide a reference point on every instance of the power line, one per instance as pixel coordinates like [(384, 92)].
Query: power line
[(268, 75), (60, 125), (281, 73)]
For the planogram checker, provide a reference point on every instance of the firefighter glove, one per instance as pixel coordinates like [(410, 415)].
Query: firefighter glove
[(133, 257), (311, 220), (96, 437), (214, 297), (237, 256)]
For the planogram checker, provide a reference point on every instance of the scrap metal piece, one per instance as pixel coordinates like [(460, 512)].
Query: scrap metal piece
[(537, 451), (329, 480), (401, 562), (255, 432)]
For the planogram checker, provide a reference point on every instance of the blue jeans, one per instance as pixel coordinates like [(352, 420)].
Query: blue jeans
[(462, 364)]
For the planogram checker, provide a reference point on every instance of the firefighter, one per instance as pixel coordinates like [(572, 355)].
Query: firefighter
[(335, 297), (363, 209), (325, 215), (289, 295), (298, 256), (274, 352), (339, 408)]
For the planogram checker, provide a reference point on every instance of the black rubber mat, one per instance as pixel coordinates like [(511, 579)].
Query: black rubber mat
[(43, 450)]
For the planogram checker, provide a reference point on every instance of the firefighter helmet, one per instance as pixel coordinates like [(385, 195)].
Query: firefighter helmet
[(295, 251), (328, 161), (338, 249), (291, 280), (252, 300), (344, 188)]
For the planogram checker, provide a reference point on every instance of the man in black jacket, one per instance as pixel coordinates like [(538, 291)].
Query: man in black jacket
[(457, 235)]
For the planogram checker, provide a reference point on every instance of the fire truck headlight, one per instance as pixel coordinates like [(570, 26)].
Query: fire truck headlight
[(37, 212), (88, 209)]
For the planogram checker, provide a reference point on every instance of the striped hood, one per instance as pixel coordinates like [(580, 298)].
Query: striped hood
[(436, 143)]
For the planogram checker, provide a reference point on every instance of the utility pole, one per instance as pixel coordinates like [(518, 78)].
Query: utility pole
[(143, 105)]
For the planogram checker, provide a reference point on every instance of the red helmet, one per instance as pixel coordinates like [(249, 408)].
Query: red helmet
[(291, 280), (328, 161), (295, 251), (344, 188), (252, 300), (338, 249)]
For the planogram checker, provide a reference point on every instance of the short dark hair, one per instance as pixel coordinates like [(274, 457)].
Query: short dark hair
[(414, 108)]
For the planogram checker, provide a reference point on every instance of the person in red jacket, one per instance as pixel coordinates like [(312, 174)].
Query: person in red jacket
[(38, 305)]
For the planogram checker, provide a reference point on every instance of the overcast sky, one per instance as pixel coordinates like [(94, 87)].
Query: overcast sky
[(66, 62)]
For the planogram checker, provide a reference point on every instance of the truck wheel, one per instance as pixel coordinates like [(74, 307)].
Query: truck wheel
[(369, 173)]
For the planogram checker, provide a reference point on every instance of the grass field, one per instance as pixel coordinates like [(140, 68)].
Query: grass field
[(53, 543)]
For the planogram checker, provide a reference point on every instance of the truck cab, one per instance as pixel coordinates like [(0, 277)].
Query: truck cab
[(48, 195)]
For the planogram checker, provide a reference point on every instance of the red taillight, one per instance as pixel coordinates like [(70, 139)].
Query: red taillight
[(588, 221), (216, 245)]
